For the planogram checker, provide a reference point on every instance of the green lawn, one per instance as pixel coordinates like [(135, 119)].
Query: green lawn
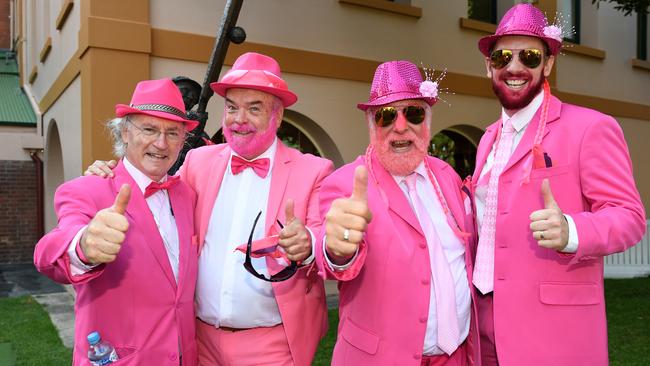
[(28, 329)]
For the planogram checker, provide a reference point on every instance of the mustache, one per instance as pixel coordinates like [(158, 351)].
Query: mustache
[(243, 128), (522, 74)]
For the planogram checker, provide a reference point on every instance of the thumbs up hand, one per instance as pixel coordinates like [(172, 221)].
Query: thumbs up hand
[(102, 239), (347, 220), (294, 238), (549, 226)]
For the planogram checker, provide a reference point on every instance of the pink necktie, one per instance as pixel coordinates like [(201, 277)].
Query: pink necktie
[(259, 166), (154, 187), (484, 266), (443, 282)]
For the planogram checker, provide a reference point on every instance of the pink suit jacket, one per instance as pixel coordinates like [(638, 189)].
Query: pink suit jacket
[(133, 302), (298, 176), (549, 307), (384, 295)]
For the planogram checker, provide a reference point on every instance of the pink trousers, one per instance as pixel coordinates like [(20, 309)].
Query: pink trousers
[(255, 346), (458, 358), (485, 307)]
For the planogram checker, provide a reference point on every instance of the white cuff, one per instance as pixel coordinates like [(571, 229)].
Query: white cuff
[(572, 245), (311, 257), (336, 267), (77, 267)]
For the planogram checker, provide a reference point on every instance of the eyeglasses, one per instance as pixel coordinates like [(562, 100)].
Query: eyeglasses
[(283, 275), (529, 57), (153, 133), (385, 116)]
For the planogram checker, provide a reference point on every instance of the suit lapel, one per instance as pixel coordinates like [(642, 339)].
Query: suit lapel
[(397, 201), (450, 193), (526, 144), (212, 185), (484, 149), (279, 179), (142, 220), (180, 205)]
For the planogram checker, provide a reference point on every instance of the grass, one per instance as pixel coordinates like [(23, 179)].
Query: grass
[(34, 340), (628, 321)]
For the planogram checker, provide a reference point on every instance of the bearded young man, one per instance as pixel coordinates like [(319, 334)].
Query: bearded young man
[(242, 319), (539, 265), (398, 241)]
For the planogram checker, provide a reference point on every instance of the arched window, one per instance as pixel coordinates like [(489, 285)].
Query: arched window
[(457, 146)]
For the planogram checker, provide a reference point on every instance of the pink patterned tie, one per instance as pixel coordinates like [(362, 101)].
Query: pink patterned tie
[(443, 282), (484, 266)]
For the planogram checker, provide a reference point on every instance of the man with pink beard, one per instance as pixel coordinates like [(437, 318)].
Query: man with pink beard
[(246, 316), (539, 262), (398, 241)]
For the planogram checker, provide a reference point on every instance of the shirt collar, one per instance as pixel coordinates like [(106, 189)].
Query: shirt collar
[(269, 153), (139, 177), (522, 117), (421, 170)]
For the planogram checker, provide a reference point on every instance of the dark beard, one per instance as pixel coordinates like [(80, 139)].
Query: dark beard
[(515, 103)]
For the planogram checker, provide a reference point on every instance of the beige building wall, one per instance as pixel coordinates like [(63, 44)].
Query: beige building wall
[(328, 49)]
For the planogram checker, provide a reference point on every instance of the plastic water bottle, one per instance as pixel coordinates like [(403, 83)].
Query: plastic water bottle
[(100, 352)]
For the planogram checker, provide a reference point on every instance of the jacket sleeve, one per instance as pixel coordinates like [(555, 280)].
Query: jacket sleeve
[(75, 208), (331, 190), (614, 219)]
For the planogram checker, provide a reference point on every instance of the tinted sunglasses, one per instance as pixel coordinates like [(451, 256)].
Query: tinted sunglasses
[(529, 57), (385, 116), (283, 275)]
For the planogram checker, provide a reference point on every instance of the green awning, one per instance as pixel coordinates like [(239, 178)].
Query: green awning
[(15, 108)]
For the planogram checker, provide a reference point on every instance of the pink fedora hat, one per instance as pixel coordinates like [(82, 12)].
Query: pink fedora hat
[(256, 71), (158, 98), (524, 20), (396, 80)]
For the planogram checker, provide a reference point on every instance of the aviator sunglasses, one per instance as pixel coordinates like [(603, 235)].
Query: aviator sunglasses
[(385, 116), (529, 57)]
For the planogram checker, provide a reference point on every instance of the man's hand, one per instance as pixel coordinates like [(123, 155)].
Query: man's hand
[(102, 240), (549, 226), (347, 220), (101, 168), (294, 238)]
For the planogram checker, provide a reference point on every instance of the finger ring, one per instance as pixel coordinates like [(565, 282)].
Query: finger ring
[(541, 235), (346, 234)]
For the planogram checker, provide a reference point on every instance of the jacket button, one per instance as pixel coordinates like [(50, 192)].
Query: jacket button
[(423, 245), (416, 356), (425, 281), (423, 319), (172, 356)]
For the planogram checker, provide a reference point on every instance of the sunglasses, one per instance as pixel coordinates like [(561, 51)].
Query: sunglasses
[(385, 116), (283, 275), (529, 57)]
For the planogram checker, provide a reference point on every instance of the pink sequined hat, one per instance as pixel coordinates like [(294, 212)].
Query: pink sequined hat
[(158, 98), (524, 20), (396, 80), (256, 71)]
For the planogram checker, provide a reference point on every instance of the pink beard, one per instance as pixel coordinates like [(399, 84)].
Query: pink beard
[(401, 164), (252, 145), (516, 100)]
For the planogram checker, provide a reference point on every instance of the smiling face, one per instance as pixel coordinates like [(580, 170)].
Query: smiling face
[(250, 121), (152, 144), (515, 84), (400, 146)]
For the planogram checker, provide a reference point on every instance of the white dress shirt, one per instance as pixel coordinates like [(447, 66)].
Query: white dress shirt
[(226, 294), (454, 251), (160, 207), (520, 121)]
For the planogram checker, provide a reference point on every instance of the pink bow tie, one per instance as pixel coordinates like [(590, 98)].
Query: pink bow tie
[(259, 166), (155, 186)]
